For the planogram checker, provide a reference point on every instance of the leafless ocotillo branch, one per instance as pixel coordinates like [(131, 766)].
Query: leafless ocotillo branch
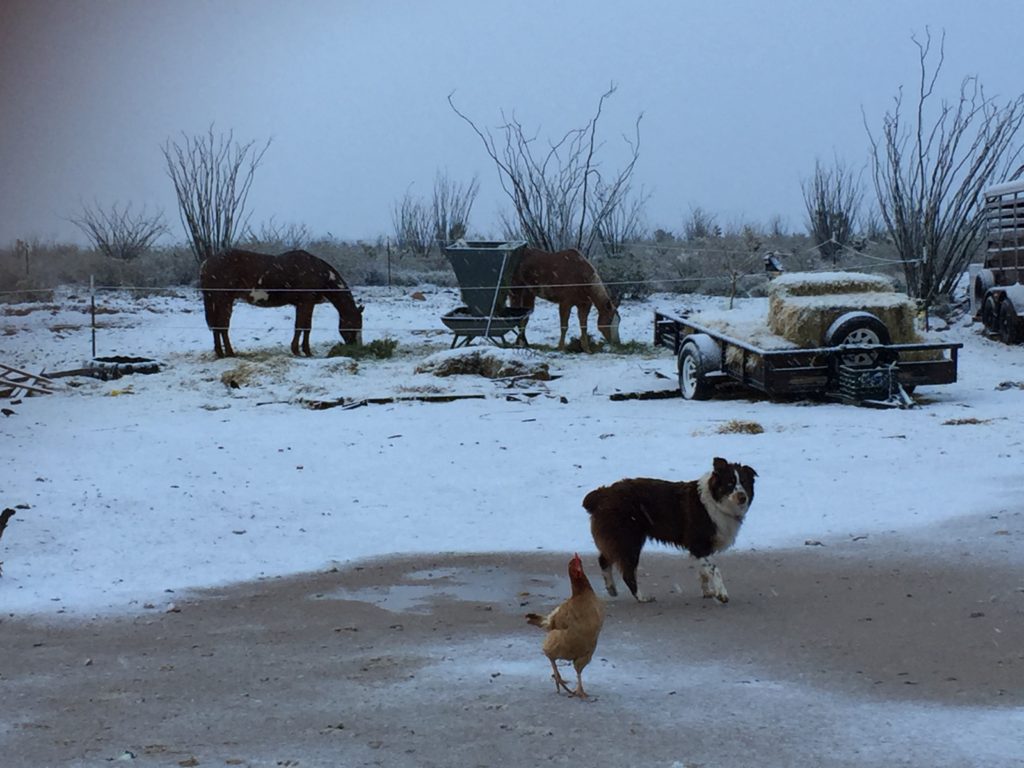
[(552, 187), (212, 175), (930, 172)]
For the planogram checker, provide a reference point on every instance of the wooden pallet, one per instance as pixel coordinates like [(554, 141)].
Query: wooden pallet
[(15, 382)]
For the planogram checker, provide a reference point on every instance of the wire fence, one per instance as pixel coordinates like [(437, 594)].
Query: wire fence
[(748, 267), (737, 272), (666, 285), (93, 302)]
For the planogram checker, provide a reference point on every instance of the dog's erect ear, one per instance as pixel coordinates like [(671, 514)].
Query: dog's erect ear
[(720, 465)]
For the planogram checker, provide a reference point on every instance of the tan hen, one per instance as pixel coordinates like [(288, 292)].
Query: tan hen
[(572, 628)]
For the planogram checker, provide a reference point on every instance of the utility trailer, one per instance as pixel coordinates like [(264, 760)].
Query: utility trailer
[(853, 368), (998, 287)]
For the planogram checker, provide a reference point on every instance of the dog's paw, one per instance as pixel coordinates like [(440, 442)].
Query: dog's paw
[(711, 583)]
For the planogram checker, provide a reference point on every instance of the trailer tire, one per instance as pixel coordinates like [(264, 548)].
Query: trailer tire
[(858, 328), (1009, 323), (984, 280), (990, 314), (698, 357)]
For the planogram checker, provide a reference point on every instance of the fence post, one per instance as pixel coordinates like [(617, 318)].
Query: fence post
[(92, 302)]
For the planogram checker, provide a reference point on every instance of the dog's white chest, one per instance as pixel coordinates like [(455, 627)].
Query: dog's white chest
[(726, 513)]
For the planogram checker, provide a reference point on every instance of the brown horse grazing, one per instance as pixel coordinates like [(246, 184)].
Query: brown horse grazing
[(296, 277), (569, 280)]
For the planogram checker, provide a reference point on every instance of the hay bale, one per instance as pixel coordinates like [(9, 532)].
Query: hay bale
[(802, 306), (804, 320), (825, 283)]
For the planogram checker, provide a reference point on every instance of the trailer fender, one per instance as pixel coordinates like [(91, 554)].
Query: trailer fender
[(699, 355), (984, 280)]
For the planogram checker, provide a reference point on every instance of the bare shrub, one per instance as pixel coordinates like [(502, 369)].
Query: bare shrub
[(832, 197), (700, 225), (120, 234), (414, 229), (212, 175), (451, 207), (559, 198), (930, 169), (274, 237)]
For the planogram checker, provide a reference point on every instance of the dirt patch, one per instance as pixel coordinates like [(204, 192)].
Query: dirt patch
[(421, 660)]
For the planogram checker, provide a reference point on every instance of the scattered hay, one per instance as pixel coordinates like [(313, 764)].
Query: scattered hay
[(574, 345), (22, 311), (740, 427), (379, 349), (254, 373), (963, 422), (631, 348), (426, 389), (489, 363), (344, 365)]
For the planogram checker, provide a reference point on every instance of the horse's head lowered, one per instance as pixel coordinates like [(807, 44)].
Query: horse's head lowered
[(350, 324), (608, 320)]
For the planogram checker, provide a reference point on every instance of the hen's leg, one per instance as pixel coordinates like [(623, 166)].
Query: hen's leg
[(579, 692), (559, 682)]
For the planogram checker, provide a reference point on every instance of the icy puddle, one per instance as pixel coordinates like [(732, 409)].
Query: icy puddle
[(479, 585)]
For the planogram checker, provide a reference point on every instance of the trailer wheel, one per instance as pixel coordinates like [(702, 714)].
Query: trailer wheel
[(990, 314), (698, 357), (1009, 323), (858, 328)]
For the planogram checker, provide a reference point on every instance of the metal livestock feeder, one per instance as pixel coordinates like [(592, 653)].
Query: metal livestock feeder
[(484, 270)]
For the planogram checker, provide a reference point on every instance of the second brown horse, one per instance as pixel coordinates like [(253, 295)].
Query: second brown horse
[(569, 280)]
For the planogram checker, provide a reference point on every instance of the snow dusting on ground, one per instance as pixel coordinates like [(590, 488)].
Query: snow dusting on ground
[(214, 471), (131, 492)]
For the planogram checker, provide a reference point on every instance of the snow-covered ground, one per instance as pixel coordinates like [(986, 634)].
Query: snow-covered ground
[(212, 471)]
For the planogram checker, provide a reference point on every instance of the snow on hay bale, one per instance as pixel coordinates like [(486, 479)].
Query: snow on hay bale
[(801, 307), (490, 362), (823, 283)]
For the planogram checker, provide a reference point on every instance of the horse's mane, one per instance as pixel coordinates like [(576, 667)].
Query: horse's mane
[(599, 293)]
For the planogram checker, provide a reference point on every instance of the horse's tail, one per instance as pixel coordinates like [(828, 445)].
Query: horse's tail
[(209, 296)]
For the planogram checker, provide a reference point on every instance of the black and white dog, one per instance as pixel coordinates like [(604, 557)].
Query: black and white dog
[(702, 516)]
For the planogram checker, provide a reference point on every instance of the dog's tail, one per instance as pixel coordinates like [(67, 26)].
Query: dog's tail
[(593, 499)]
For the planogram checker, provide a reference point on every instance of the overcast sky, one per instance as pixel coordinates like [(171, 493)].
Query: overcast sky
[(738, 98)]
